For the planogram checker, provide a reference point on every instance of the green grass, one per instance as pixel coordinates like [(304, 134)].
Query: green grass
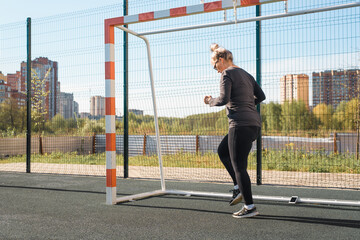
[(317, 161), (284, 160)]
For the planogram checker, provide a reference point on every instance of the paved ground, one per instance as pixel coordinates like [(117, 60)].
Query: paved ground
[(289, 178), (41, 206)]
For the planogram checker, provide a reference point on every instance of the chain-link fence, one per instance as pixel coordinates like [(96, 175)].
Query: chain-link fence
[(310, 74)]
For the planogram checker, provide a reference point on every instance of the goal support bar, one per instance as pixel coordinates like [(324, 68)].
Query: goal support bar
[(290, 200)]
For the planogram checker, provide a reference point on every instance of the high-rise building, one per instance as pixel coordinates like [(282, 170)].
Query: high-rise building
[(5, 91), (333, 86), (10, 88), (14, 80), (294, 87), (68, 108), (41, 66), (20, 97), (76, 109), (97, 106), (3, 77), (66, 105), (58, 96)]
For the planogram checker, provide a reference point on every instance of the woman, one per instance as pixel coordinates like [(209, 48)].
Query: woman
[(240, 93)]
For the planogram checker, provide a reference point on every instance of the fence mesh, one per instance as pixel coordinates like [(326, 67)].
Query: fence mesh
[(310, 74)]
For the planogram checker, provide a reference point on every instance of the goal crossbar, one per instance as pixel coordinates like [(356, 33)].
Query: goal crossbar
[(188, 10), (254, 19), (111, 197)]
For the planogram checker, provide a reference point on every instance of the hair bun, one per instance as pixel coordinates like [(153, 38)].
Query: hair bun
[(214, 46)]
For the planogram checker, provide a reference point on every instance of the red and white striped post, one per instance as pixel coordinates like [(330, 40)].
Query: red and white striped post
[(110, 109)]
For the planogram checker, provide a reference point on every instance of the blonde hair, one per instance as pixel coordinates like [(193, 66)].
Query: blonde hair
[(220, 52)]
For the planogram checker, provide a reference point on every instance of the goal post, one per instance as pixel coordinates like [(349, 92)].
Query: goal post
[(110, 25)]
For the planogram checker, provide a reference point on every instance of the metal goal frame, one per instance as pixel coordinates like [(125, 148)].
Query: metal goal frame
[(119, 22)]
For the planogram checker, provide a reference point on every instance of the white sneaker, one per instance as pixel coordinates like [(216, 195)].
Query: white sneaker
[(245, 213)]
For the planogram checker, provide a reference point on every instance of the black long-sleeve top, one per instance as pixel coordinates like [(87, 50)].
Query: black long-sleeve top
[(240, 93)]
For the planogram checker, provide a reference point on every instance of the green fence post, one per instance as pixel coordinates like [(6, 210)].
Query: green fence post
[(126, 110), (258, 79), (28, 90)]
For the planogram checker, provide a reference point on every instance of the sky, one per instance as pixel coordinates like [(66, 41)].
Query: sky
[(20, 10)]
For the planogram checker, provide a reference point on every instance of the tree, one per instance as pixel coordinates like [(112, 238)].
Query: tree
[(38, 97), (71, 124), (147, 127), (93, 127), (222, 124), (356, 104), (272, 116), (351, 114), (324, 114), (58, 124), (296, 116), (12, 116), (338, 117)]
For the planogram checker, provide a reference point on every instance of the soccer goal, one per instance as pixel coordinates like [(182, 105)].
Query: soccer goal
[(119, 22)]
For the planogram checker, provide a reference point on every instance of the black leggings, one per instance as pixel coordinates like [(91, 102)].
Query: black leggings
[(233, 151)]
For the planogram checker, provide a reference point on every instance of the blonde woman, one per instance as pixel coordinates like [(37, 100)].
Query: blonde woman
[(240, 93)]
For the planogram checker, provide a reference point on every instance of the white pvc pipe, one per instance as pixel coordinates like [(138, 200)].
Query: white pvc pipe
[(268, 198), (154, 102), (198, 194), (227, 195), (261, 18), (140, 196), (329, 201)]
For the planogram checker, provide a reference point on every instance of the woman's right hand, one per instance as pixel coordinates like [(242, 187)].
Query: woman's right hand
[(207, 99)]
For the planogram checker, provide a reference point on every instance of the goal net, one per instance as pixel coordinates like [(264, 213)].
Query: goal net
[(173, 135)]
